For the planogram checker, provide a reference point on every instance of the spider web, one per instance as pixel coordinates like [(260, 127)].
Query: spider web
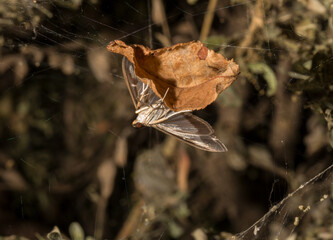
[(283, 218), (45, 39)]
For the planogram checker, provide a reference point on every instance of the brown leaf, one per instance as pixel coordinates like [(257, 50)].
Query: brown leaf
[(192, 74), (17, 64), (120, 153), (106, 173), (13, 180), (100, 64), (62, 61)]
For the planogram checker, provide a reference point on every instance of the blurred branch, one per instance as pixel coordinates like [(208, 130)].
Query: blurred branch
[(132, 223), (207, 24), (257, 22), (286, 117), (106, 175), (159, 17)]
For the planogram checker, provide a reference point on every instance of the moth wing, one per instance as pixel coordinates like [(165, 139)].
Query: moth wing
[(187, 123), (139, 91), (192, 130)]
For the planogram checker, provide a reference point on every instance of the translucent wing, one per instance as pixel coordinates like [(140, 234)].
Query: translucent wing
[(141, 94), (192, 130), (188, 123)]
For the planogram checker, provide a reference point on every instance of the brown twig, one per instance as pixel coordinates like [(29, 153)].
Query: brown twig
[(159, 17), (206, 26), (184, 163), (106, 174), (286, 117), (257, 22), (132, 222)]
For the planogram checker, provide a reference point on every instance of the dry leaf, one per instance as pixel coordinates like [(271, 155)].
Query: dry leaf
[(100, 64), (19, 65), (13, 180), (188, 75), (106, 173), (36, 53), (62, 61), (120, 153)]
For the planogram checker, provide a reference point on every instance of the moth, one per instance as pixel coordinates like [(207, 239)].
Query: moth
[(152, 112)]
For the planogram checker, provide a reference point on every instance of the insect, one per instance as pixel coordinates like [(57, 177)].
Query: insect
[(152, 112)]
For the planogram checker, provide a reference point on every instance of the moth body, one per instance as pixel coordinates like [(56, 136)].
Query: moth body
[(154, 114)]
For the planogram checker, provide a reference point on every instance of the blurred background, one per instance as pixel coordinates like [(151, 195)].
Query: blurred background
[(70, 158)]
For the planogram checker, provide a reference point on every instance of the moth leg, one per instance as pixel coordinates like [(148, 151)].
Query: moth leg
[(144, 93), (141, 109), (161, 101), (144, 89), (161, 104)]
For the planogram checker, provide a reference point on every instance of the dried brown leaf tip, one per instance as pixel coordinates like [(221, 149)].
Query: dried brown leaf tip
[(192, 74)]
